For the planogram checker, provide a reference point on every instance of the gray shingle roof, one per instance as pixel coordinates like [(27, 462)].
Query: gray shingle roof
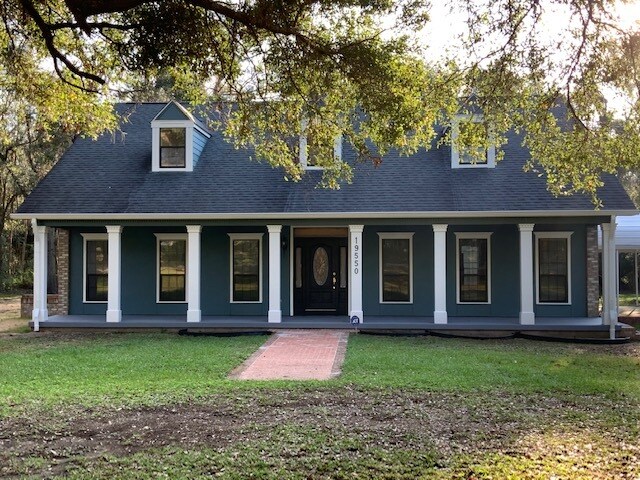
[(113, 175)]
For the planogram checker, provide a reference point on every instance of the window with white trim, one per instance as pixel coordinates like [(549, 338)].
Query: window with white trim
[(246, 267), (473, 267), (172, 268), (396, 267), (309, 148), (464, 126), (96, 267), (553, 267)]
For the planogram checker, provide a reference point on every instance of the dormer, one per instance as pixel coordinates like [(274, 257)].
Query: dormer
[(461, 157), (178, 139), (308, 148)]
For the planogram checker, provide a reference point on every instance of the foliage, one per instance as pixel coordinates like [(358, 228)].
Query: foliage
[(39, 117), (358, 68)]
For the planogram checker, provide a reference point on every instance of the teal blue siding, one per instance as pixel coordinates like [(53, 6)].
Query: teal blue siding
[(216, 276), (578, 307), (422, 272), (76, 271), (172, 112), (139, 275), (199, 141), (505, 273)]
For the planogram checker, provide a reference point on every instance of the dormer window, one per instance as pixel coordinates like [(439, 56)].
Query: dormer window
[(172, 147), (178, 139), (465, 127), (309, 148)]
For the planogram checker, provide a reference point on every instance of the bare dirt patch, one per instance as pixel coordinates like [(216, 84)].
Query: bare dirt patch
[(448, 424), (10, 314)]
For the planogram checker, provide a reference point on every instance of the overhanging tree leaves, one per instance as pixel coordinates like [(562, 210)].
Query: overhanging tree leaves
[(353, 67)]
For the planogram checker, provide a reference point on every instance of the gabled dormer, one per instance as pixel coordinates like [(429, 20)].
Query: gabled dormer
[(178, 139), (462, 157)]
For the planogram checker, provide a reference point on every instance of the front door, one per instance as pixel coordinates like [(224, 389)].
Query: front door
[(320, 283)]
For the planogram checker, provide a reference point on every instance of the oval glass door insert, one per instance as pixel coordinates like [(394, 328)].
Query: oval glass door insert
[(320, 266)]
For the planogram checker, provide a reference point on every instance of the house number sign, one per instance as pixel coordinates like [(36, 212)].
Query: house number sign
[(356, 254)]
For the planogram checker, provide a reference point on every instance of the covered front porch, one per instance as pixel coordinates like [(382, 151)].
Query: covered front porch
[(567, 325), (354, 270)]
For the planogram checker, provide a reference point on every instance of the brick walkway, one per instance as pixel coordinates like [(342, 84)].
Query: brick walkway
[(296, 355)]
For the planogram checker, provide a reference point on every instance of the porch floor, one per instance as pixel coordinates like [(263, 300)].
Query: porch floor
[(329, 322)]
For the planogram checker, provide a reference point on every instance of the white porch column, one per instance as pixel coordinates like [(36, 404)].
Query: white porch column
[(527, 317), (114, 313), (355, 272), (275, 311), (605, 227), (40, 311), (440, 273), (609, 277), (194, 313)]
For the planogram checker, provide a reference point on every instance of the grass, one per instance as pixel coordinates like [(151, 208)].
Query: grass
[(122, 368), (517, 366), (120, 406), (627, 299)]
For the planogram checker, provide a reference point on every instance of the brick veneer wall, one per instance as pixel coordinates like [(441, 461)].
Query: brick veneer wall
[(57, 304), (63, 271), (593, 272)]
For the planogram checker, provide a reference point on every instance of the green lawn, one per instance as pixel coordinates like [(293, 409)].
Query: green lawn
[(490, 365), (123, 369), (111, 406)]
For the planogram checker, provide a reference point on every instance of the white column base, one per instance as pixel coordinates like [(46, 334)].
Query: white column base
[(194, 315), (357, 313), (612, 332), (44, 314), (275, 316), (114, 316), (527, 318), (440, 317)]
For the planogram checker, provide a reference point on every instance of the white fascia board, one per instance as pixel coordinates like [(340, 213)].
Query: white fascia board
[(321, 215)]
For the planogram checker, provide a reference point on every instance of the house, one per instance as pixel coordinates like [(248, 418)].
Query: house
[(627, 247), (168, 225)]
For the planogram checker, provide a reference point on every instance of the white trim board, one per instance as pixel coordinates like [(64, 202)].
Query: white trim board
[(246, 236), (90, 237), (567, 236), (322, 215), (395, 236), (473, 235), (172, 236)]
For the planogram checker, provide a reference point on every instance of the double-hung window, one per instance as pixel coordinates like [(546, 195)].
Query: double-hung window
[(473, 263), (96, 267), (553, 267), (172, 147), (396, 267), (246, 267), (172, 267)]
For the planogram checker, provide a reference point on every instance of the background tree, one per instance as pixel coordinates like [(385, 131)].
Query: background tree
[(39, 117), (355, 67)]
